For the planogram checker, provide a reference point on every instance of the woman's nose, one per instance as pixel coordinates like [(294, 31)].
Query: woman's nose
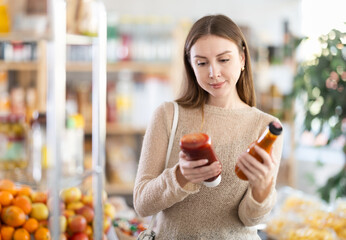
[(214, 72)]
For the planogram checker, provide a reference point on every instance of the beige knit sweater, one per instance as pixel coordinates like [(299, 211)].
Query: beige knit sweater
[(227, 211)]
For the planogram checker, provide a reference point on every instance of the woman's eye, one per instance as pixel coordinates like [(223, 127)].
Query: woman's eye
[(201, 63), (224, 60)]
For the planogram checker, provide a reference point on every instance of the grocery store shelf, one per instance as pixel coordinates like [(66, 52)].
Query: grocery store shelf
[(119, 129), (23, 36), (119, 188), (147, 67), (74, 39), (19, 66), (78, 67)]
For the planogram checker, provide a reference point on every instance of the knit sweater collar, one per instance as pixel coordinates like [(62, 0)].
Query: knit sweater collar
[(222, 111)]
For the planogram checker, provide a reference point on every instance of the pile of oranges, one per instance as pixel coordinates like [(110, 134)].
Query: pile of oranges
[(23, 213)]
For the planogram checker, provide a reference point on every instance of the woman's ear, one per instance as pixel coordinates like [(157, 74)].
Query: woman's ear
[(242, 56)]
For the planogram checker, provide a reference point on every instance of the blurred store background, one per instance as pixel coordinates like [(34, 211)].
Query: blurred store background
[(299, 65)]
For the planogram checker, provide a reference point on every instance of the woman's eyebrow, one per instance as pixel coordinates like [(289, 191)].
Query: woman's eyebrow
[(227, 51), (198, 56)]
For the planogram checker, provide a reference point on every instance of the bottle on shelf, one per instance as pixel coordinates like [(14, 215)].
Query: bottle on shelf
[(265, 141), (38, 148), (73, 154), (198, 146), (4, 17)]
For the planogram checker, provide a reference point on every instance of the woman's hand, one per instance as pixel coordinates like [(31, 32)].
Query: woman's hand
[(260, 175), (192, 170)]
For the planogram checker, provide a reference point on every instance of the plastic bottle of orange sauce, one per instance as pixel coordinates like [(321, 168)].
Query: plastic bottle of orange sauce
[(265, 141), (198, 146)]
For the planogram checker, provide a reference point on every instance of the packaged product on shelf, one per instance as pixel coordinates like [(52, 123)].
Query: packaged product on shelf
[(156, 89), (111, 103), (4, 97), (13, 151), (5, 25), (17, 101), (38, 148), (121, 163), (124, 96), (127, 224), (31, 103), (302, 216), (73, 146), (128, 229)]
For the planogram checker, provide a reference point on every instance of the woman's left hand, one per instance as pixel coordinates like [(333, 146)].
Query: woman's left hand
[(260, 175)]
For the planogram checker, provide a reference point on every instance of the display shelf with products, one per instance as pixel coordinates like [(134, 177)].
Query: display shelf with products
[(137, 84), (27, 59), (53, 87)]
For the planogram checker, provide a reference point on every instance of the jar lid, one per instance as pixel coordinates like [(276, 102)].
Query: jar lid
[(194, 140)]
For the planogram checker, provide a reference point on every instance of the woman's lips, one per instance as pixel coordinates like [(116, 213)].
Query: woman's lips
[(216, 85)]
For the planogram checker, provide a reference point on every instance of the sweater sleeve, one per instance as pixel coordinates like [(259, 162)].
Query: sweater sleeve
[(157, 188), (250, 211)]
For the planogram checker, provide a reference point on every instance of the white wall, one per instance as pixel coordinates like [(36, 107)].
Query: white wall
[(264, 17)]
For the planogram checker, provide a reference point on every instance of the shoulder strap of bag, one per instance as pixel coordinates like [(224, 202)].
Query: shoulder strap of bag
[(169, 150), (174, 128)]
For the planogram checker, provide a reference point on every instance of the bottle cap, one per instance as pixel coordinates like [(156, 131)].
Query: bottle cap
[(275, 128), (213, 183)]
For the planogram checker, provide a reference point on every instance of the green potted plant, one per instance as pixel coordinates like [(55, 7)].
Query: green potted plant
[(321, 83)]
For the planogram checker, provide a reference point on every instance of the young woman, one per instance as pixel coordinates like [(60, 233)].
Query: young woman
[(219, 100)]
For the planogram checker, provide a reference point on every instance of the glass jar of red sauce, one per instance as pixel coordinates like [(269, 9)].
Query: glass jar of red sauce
[(198, 146)]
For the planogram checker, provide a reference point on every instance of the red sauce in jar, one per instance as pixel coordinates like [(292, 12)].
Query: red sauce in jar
[(198, 146)]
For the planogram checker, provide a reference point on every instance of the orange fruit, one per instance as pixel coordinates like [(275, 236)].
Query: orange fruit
[(23, 202), (6, 232), (24, 190), (39, 211), (21, 234), (8, 185), (13, 216), (31, 225), (5, 198), (37, 197), (42, 234)]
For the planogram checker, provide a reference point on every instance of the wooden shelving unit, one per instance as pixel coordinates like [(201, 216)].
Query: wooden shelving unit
[(119, 129), (24, 36), (169, 69), (18, 66), (147, 67)]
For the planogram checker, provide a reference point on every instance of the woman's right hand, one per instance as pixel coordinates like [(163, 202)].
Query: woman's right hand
[(192, 170)]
